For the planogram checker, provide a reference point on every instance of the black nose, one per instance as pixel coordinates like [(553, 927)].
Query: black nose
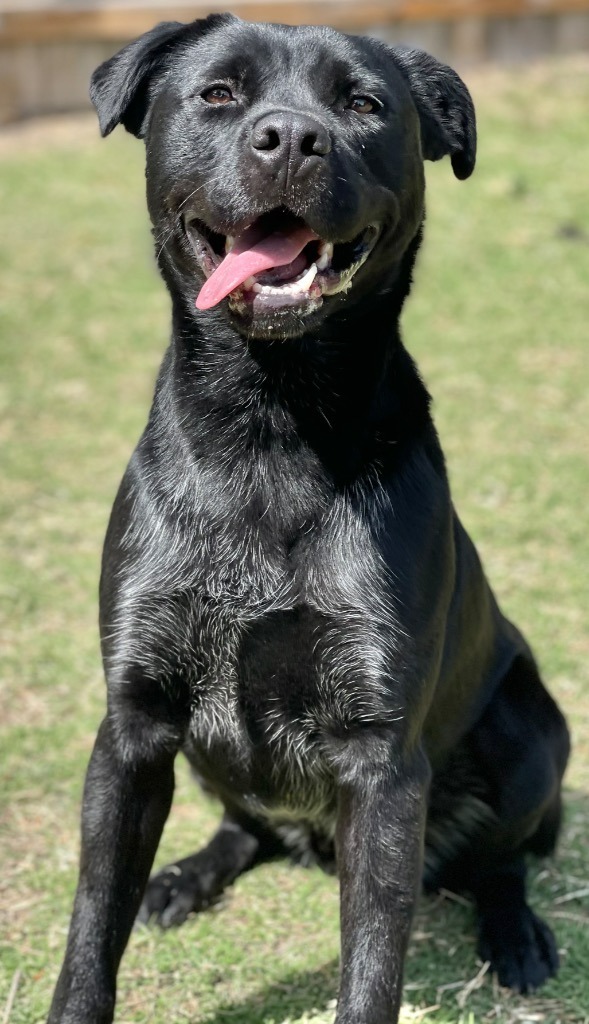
[(297, 141)]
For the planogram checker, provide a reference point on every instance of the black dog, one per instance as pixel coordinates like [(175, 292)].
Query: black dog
[(287, 594)]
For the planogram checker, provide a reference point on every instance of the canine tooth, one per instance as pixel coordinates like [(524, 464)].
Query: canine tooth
[(323, 261), (306, 280), (230, 239), (326, 248), (249, 283)]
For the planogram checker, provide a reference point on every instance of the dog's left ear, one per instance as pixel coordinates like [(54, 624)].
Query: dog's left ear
[(445, 108)]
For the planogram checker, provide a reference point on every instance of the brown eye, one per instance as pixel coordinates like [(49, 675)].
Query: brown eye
[(218, 95), (363, 105)]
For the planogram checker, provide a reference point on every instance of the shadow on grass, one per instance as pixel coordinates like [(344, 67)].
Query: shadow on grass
[(302, 994), (297, 994)]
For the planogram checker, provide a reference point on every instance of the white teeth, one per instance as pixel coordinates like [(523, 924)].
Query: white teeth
[(302, 284), (305, 282), (325, 250), (249, 283), (229, 242)]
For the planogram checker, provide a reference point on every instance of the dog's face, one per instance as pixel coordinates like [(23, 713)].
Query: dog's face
[(284, 165)]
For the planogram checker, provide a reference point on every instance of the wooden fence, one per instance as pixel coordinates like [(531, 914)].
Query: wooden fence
[(48, 48)]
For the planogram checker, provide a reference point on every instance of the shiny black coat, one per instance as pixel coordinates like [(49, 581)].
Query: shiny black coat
[(287, 595)]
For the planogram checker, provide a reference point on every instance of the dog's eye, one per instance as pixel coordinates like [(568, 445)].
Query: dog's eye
[(363, 105), (218, 95)]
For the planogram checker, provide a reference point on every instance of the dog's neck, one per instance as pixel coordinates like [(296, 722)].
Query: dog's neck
[(350, 389)]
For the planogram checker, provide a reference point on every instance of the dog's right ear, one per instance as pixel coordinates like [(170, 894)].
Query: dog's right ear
[(120, 89), (123, 87)]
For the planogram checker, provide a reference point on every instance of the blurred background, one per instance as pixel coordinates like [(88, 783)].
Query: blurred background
[(49, 48), (498, 324)]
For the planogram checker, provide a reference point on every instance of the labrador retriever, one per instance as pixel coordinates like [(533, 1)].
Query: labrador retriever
[(287, 594)]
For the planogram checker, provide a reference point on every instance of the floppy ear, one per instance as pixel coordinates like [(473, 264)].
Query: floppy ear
[(122, 88), (445, 108)]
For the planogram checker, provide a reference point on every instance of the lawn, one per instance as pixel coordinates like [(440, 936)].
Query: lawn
[(498, 323)]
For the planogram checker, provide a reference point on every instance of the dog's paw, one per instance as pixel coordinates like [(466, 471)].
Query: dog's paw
[(171, 895), (521, 949)]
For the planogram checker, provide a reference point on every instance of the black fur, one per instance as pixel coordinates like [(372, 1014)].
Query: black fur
[(287, 595)]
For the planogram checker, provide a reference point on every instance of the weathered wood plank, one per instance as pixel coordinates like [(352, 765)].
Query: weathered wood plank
[(56, 24)]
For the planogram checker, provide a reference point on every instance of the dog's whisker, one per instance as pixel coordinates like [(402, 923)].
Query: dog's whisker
[(177, 218)]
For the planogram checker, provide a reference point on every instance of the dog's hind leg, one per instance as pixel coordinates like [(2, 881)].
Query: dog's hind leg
[(197, 881), (518, 944), (516, 754), (522, 744)]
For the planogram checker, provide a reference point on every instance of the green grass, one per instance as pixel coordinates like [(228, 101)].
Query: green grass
[(498, 324)]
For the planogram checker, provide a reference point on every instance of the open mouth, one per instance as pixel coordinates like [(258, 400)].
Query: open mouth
[(276, 263)]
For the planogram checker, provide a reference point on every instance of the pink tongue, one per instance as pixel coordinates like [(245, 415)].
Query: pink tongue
[(252, 255)]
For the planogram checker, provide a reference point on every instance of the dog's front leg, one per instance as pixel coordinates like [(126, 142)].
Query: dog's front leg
[(125, 808), (379, 842)]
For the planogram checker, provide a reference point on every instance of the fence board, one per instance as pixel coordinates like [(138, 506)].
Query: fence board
[(59, 24)]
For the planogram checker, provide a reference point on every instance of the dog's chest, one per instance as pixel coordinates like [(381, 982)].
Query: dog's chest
[(254, 727), (286, 648), (286, 676)]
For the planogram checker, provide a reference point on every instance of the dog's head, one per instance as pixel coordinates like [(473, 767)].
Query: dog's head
[(284, 165)]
